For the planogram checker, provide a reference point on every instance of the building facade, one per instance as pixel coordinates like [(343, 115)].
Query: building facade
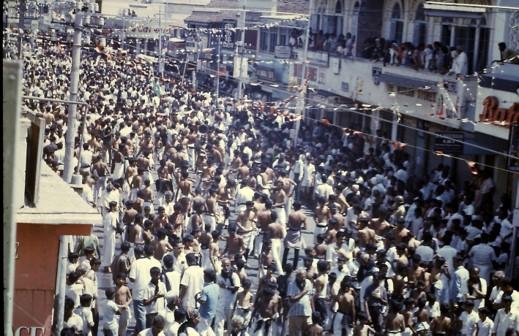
[(383, 54)]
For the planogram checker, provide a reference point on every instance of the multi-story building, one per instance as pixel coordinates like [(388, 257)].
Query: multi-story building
[(391, 60), (376, 53)]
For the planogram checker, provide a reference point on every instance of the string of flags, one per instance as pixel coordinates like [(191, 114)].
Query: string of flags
[(396, 145)]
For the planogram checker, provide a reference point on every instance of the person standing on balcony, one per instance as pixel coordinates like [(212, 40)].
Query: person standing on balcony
[(506, 54), (459, 63), (350, 40)]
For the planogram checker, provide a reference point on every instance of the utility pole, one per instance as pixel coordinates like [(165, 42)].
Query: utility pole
[(161, 66), (300, 105), (240, 46), (218, 72), (21, 26), (72, 108)]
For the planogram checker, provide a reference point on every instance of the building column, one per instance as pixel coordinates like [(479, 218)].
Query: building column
[(375, 122), (21, 149), (499, 31), (419, 153)]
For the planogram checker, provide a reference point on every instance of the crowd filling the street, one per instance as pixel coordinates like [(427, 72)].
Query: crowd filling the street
[(217, 222)]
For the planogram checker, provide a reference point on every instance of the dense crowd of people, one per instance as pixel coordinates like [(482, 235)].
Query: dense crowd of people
[(341, 44), (435, 57), (197, 191)]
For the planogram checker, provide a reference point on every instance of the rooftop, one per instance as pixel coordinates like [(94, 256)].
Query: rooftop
[(293, 6), (58, 204)]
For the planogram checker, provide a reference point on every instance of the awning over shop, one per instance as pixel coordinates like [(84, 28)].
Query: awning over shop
[(408, 82), (454, 11)]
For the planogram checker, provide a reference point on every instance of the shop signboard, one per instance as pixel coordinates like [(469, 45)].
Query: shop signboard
[(449, 146)]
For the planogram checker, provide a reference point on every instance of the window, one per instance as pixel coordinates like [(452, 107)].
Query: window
[(282, 40), (264, 36), (397, 24), (273, 40), (426, 95), (355, 18), (420, 26), (338, 7), (405, 91)]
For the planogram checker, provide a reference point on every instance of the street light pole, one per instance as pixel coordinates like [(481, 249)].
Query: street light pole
[(300, 105), (72, 108)]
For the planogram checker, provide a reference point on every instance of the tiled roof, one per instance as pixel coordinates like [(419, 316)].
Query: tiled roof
[(294, 6), (217, 15), (224, 3)]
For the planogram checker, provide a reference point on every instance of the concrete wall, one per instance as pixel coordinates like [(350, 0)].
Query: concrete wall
[(355, 81)]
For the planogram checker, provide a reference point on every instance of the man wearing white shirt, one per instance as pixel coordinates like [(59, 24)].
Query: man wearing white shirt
[(505, 233), (485, 325), (140, 277), (425, 251), (448, 252), (505, 319), (459, 64), (326, 189), (461, 278), (469, 319), (245, 194), (482, 256), (154, 296), (192, 282), (86, 157), (307, 181), (126, 130), (171, 278)]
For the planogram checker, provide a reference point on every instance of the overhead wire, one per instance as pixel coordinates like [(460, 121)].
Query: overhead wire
[(402, 145)]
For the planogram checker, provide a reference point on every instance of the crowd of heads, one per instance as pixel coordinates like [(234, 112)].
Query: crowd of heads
[(201, 190)]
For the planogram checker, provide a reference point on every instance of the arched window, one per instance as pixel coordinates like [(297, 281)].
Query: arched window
[(396, 12), (355, 18), (338, 7), (420, 26), (397, 24), (339, 19)]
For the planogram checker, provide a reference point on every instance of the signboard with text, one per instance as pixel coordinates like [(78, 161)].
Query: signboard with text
[(282, 51), (449, 146), (229, 36)]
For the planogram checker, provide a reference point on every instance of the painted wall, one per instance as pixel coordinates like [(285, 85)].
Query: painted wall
[(36, 269), (355, 80)]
